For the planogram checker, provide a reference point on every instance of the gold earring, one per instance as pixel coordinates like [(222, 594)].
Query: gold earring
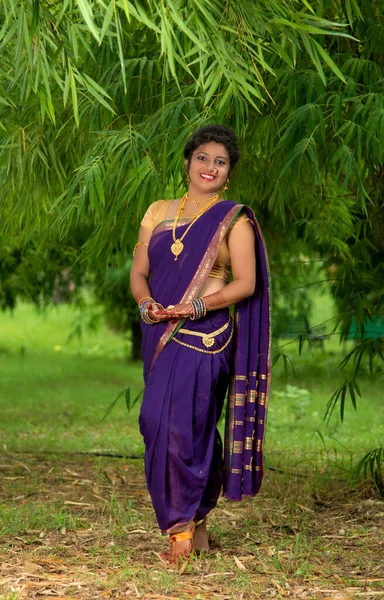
[(188, 178), (226, 185)]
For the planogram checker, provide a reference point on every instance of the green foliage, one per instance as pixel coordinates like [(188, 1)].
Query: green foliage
[(130, 404), (350, 387), (372, 464), (98, 100), (43, 271), (112, 290)]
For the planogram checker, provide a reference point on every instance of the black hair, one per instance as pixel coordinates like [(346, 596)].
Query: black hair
[(214, 133)]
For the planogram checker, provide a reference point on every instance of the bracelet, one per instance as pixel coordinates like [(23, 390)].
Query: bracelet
[(145, 298), (199, 309), (146, 318), (203, 305), (144, 308), (160, 306)]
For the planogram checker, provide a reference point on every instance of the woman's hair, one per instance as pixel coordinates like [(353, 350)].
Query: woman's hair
[(214, 133)]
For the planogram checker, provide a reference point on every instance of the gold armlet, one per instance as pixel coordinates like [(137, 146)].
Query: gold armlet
[(138, 244)]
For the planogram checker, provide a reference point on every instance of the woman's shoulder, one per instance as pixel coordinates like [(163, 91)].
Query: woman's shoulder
[(155, 213), (159, 205), (242, 217)]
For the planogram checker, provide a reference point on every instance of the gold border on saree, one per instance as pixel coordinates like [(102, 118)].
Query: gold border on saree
[(208, 338), (208, 335)]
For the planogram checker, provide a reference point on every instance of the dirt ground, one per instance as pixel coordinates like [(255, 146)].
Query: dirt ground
[(79, 527)]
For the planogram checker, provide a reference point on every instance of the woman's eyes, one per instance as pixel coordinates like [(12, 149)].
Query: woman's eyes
[(218, 162)]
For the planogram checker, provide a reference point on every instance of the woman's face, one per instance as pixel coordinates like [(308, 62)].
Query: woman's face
[(209, 168)]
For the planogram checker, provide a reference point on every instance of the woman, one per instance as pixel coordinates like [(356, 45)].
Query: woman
[(192, 349)]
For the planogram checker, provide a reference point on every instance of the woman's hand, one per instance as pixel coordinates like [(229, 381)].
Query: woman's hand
[(156, 314), (176, 312)]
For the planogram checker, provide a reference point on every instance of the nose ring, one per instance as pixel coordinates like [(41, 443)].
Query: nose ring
[(215, 171)]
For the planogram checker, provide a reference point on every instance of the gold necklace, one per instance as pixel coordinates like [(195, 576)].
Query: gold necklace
[(177, 247), (197, 202)]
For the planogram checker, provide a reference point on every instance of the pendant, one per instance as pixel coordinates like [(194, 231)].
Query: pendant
[(177, 248), (208, 341)]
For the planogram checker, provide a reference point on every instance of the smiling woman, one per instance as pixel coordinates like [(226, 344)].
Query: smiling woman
[(192, 348)]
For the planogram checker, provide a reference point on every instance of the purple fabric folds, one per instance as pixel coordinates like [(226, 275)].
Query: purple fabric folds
[(250, 382), (186, 387)]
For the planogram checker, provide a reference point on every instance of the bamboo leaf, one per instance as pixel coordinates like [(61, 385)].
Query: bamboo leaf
[(112, 405), (181, 24), (126, 10), (138, 12), (107, 20), (306, 3), (315, 59), (128, 398), (329, 61), (86, 11), (119, 35), (73, 94), (342, 401), (213, 87)]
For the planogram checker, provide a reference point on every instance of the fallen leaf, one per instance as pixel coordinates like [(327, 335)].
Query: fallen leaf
[(183, 566), (305, 508), (239, 564), (277, 585)]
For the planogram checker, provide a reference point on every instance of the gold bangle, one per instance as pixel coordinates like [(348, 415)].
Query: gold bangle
[(146, 298), (149, 318), (145, 316), (160, 306)]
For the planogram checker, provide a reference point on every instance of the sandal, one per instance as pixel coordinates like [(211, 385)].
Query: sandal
[(177, 538)]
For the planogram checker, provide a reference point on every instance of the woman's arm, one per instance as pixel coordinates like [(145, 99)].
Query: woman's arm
[(140, 266), (241, 245), (140, 272)]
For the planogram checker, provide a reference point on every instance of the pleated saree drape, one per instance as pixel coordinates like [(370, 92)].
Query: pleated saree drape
[(186, 378)]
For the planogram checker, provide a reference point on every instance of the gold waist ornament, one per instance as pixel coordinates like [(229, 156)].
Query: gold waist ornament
[(207, 338)]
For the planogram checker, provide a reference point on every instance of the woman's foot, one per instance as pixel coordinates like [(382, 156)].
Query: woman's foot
[(181, 544), (200, 538)]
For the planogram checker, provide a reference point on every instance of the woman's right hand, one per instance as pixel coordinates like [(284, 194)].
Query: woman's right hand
[(153, 313)]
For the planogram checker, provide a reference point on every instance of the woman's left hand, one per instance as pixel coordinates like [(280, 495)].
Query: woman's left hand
[(177, 311)]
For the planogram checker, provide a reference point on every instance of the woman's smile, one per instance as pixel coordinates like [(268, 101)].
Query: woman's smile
[(207, 177)]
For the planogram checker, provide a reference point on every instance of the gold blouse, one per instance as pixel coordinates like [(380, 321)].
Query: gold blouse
[(157, 212)]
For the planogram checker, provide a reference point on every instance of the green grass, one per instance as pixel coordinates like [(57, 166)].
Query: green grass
[(55, 392), (296, 426), (89, 520), (84, 526)]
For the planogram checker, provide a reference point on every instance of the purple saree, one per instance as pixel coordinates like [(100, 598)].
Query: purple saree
[(187, 368)]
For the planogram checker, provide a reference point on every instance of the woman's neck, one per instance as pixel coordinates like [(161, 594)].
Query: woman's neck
[(194, 204), (199, 197)]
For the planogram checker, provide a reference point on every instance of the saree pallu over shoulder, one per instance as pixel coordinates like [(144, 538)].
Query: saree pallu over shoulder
[(180, 281), (250, 383)]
